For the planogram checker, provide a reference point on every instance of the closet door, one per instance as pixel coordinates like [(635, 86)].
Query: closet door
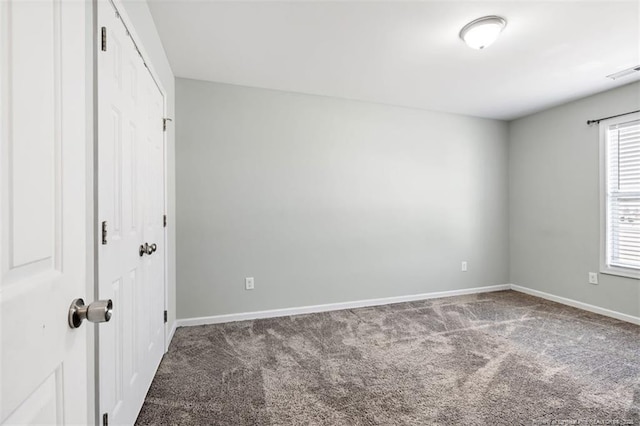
[(130, 139), (153, 228)]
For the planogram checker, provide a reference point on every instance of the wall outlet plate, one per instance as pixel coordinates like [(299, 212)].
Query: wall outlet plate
[(248, 283), (593, 278), (463, 267)]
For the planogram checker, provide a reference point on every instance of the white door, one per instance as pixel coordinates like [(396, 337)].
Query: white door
[(45, 245), (153, 202), (129, 131)]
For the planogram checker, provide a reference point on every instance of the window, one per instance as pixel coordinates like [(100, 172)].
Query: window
[(620, 187)]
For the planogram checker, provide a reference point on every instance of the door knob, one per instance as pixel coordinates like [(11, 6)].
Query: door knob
[(99, 311), (145, 249)]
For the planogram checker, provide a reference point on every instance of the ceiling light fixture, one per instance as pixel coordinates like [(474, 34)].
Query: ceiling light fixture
[(482, 32)]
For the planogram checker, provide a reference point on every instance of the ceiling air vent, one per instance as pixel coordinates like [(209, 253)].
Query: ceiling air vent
[(624, 73)]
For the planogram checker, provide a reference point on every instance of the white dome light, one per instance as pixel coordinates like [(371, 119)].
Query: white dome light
[(482, 32)]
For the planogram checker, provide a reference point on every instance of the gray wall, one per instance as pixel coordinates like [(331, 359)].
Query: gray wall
[(325, 200), (145, 31), (554, 202)]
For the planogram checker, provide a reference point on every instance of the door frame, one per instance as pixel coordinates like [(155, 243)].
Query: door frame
[(94, 289)]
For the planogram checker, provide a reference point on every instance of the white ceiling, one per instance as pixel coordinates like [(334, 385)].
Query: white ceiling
[(407, 53)]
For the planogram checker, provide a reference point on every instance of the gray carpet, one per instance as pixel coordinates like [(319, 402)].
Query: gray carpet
[(499, 358)]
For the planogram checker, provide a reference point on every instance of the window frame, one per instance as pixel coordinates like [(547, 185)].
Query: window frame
[(604, 267)]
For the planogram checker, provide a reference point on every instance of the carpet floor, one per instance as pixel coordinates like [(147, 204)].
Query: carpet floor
[(500, 358)]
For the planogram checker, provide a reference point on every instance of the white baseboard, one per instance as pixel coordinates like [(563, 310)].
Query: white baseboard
[(216, 319), (171, 333), (580, 305)]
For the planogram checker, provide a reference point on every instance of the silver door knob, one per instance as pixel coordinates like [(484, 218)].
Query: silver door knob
[(145, 249), (99, 311)]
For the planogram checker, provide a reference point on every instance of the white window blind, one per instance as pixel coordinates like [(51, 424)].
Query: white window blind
[(623, 195)]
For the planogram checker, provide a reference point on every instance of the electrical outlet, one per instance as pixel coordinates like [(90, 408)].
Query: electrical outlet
[(248, 283), (593, 278), (463, 268)]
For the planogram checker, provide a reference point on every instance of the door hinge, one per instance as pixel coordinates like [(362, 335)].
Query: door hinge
[(164, 220), (104, 232), (104, 39), (164, 124), (105, 419), (166, 316)]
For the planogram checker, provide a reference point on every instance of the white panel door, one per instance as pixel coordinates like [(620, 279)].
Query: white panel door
[(129, 131), (153, 206), (44, 239)]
